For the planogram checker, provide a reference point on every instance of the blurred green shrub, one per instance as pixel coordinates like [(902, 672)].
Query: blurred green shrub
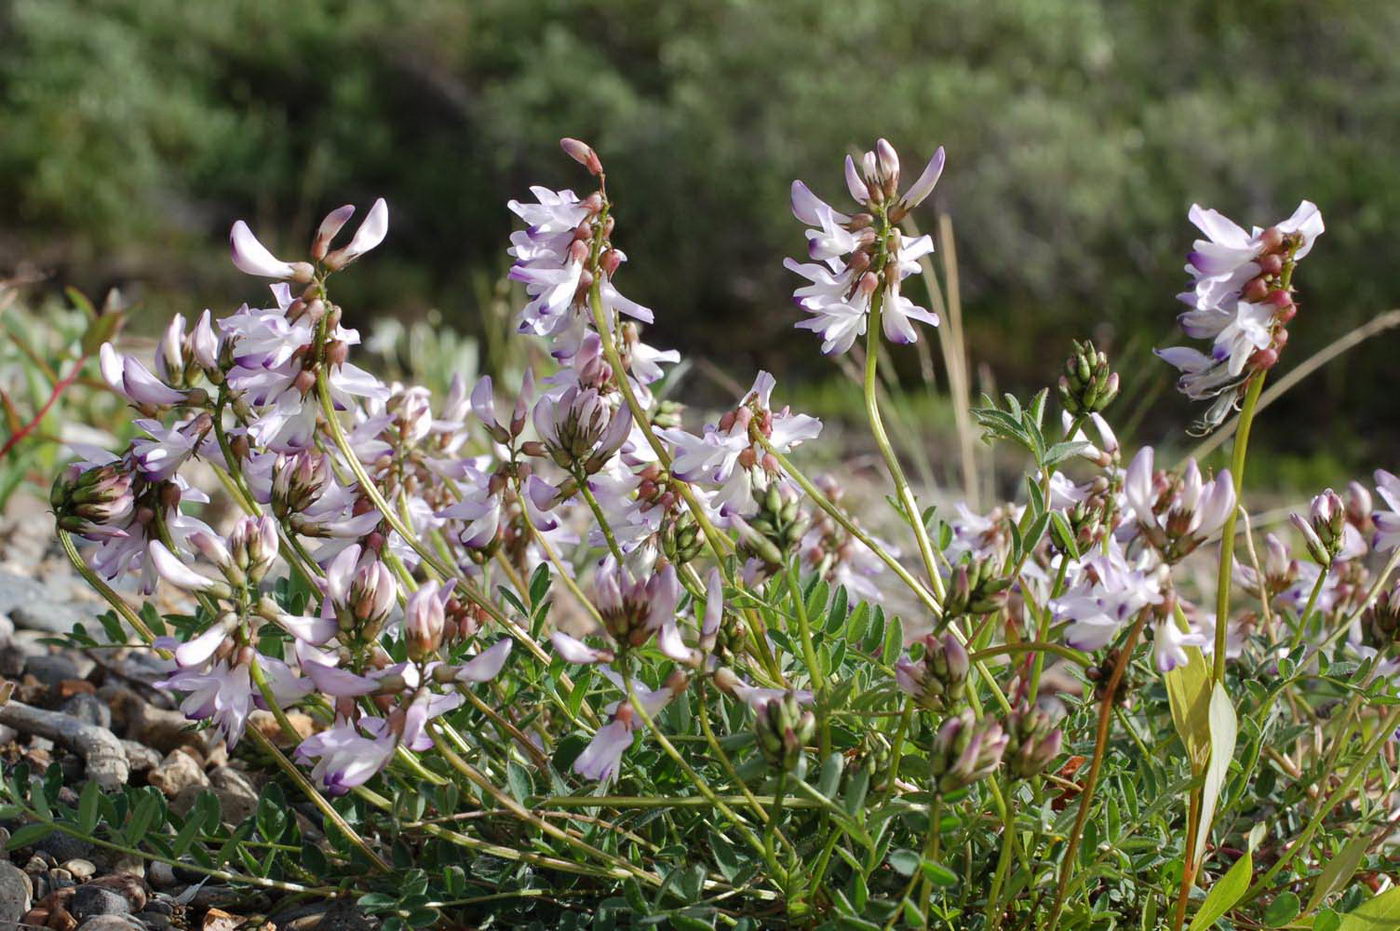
[(1080, 131)]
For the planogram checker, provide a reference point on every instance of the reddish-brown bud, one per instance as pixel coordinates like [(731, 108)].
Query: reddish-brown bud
[(1263, 360), (1270, 264), (1256, 290), (1271, 239)]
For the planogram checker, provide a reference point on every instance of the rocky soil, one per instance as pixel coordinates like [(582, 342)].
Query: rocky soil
[(98, 714)]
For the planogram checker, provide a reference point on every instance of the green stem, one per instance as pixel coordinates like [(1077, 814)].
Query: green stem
[(474, 776), (1302, 627), (106, 591), (809, 655), (882, 441), (774, 815), (1354, 775), (835, 513), (1008, 840), (598, 515), (329, 892), (642, 419), (1227, 533)]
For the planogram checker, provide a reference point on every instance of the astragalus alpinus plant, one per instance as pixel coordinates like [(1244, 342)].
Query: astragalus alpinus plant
[(575, 659)]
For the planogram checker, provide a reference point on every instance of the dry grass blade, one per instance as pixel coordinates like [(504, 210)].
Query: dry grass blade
[(1373, 327)]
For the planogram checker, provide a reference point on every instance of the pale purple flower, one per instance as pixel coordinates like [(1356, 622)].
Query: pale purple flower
[(1195, 510), (349, 754), (1169, 644), (253, 258), (487, 664), (1106, 593), (844, 276), (1387, 522), (370, 233), (424, 617), (134, 381), (602, 757), (1225, 261)]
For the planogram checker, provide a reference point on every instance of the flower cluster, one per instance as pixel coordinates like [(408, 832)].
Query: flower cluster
[(555, 564), (860, 260), (1241, 300)]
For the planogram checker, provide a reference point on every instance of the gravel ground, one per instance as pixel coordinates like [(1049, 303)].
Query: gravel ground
[(98, 715)]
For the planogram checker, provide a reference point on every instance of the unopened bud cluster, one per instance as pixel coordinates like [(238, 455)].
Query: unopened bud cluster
[(1088, 384), (783, 727), (965, 751)]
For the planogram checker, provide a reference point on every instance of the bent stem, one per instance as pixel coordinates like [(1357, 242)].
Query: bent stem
[(1086, 797), (643, 421), (699, 782), (503, 799), (322, 804)]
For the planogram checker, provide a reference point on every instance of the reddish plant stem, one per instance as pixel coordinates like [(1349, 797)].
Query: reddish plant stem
[(59, 387)]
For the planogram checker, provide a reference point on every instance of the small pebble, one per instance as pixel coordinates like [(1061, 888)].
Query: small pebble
[(91, 900), (177, 771), (80, 869)]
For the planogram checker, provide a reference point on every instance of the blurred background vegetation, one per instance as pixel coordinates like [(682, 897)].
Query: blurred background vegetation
[(1079, 131)]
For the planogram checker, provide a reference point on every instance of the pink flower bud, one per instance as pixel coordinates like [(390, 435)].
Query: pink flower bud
[(582, 153), (328, 229)]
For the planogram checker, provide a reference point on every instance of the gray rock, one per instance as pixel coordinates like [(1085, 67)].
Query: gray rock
[(80, 869), (12, 659), (166, 729), (89, 901), (36, 606), (237, 797), (62, 847), (89, 709), (51, 669), (162, 875), (155, 921), (141, 758), (16, 590), (109, 923), (16, 894)]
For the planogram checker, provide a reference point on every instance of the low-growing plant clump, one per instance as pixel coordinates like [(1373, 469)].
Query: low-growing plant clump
[(575, 660)]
